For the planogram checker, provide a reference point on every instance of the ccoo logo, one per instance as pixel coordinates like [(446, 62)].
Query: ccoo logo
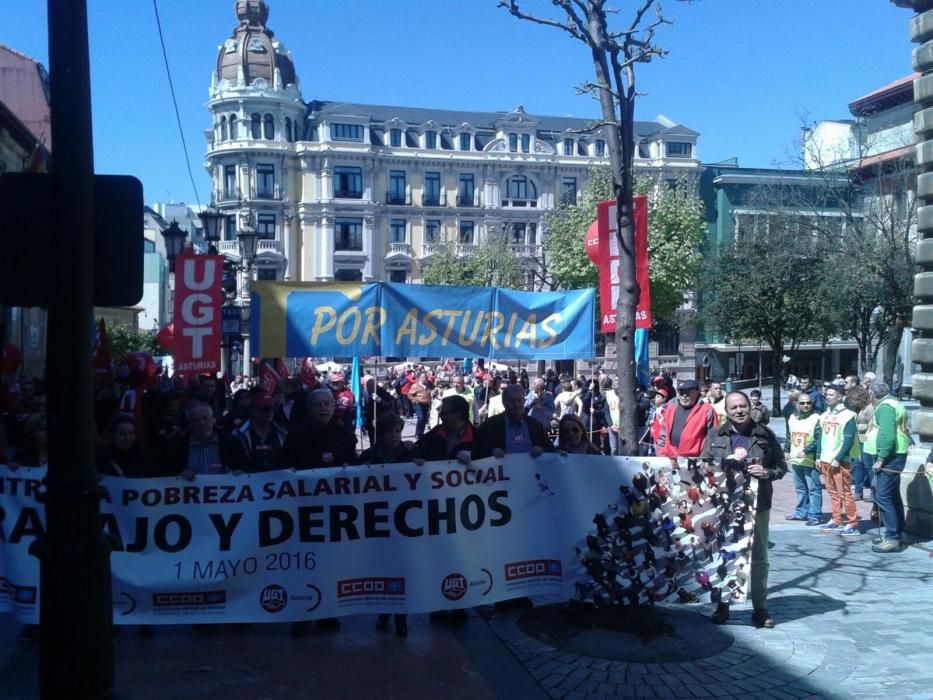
[(273, 598)]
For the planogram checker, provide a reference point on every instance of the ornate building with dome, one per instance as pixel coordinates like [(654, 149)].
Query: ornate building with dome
[(347, 191)]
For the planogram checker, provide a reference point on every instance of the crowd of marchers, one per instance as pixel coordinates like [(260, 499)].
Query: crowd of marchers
[(845, 437)]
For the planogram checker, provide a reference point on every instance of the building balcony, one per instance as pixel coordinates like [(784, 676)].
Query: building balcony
[(348, 194), (398, 198), (468, 199), (531, 203), (526, 250), (398, 248), (437, 199), (430, 248), (264, 246), (465, 249), (228, 195), (273, 192)]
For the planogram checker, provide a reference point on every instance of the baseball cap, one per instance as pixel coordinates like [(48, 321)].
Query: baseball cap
[(688, 385)]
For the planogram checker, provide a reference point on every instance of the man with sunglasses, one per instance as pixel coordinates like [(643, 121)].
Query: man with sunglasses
[(803, 444)]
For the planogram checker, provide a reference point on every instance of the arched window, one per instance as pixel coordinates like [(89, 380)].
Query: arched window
[(288, 129), (520, 192), (256, 125), (268, 128), (223, 128), (234, 135)]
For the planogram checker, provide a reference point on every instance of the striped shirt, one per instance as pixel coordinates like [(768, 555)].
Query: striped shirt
[(204, 457)]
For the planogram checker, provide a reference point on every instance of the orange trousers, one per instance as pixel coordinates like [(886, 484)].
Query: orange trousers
[(839, 487)]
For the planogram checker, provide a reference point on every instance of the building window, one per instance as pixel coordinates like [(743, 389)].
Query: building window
[(513, 143), (465, 190), (230, 227), (430, 139), (346, 132), (255, 125), (288, 130), (517, 232), (348, 234), (644, 150), (466, 232), (348, 182), (432, 230), (396, 193), (431, 196), (230, 189), (568, 190), (223, 128), (268, 128), (234, 131), (265, 181), (668, 338), (148, 246), (398, 276), (464, 142), (266, 274), (395, 137), (354, 275), (265, 226), (569, 149), (599, 147), (520, 192), (397, 232), (677, 149), (526, 143)]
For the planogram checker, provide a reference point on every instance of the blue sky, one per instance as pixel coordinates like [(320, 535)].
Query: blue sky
[(744, 73)]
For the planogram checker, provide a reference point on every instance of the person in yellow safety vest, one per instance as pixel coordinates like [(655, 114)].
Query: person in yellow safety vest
[(803, 444), (888, 440), (838, 449)]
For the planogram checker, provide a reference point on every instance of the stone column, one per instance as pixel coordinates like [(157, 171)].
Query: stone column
[(915, 488)]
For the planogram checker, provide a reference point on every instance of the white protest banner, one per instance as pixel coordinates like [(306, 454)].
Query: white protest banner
[(284, 546)]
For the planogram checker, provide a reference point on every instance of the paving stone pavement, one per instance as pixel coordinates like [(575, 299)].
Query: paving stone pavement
[(850, 624)]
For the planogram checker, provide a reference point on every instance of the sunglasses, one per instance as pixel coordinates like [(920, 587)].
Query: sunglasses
[(804, 403)]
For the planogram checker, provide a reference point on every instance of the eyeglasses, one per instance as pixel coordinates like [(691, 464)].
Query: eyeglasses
[(804, 403)]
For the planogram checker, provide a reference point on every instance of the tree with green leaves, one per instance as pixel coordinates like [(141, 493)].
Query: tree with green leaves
[(676, 226), (490, 263), (764, 287), (127, 339)]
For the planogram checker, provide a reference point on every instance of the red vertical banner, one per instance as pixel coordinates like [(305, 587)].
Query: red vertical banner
[(608, 262), (198, 297)]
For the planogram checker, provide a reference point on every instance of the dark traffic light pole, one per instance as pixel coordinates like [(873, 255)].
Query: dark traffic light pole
[(76, 641)]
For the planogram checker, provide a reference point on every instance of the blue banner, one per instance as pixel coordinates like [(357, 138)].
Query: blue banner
[(341, 319)]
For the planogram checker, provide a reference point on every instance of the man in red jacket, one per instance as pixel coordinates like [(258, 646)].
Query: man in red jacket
[(685, 423)]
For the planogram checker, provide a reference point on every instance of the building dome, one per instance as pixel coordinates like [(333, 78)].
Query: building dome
[(253, 49)]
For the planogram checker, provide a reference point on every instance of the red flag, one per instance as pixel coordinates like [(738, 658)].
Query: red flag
[(608, 263), (308, 375), (280, 368), (268, 377), (198, 298), (102, 358)]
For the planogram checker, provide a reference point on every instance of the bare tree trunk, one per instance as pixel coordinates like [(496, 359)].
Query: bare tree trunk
[(777, 355), (891, 351)]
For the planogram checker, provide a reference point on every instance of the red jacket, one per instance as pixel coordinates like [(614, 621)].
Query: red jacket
[(701, 419)]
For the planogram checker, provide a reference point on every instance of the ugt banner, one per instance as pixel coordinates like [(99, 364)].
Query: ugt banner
[(284, 546), (294, 319), (197, 313), (603, 250)]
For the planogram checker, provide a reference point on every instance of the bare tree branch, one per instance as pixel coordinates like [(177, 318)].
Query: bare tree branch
[(512, 7)]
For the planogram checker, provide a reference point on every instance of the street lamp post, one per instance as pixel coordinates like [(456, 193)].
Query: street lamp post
[(212, 220), (174, 237), (248, 239)]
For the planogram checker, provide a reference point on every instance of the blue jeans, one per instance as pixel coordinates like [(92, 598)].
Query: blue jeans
[(809, 492), (888, 496), (861, 473), (421, 415)]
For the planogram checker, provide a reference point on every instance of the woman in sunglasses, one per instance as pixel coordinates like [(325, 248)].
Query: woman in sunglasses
[(572, 437)]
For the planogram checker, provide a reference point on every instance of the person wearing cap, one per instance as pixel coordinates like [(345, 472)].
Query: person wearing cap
[(685, 423), (261, 438)]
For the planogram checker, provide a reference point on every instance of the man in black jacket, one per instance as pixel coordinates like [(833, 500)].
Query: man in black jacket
[(741, 443), (511, 432), (321, 441), (202, 449)]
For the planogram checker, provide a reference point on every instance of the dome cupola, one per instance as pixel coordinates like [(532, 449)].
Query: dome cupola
[(252, 53)]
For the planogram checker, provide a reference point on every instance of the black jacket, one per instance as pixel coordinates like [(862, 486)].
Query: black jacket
[(491, 435), (176, 457), (306, 446), (763, 446)]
